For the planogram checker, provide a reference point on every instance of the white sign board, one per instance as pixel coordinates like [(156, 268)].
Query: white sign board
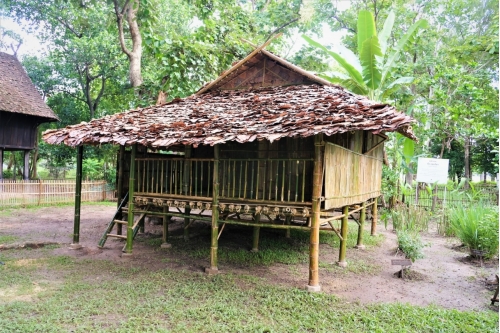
[(432, 170)]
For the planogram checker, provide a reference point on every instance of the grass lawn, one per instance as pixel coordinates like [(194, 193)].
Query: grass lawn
[(44, 292)]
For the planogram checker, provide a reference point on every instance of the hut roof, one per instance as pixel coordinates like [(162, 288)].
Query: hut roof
[(17, 92), (215, 117)]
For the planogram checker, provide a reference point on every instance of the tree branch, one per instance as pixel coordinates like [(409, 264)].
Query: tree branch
[(119, 20), (281, 27)]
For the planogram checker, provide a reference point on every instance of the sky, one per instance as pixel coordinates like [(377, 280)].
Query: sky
[(32, 46)]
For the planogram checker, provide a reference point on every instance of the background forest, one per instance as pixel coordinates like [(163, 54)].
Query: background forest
[(104, 57)]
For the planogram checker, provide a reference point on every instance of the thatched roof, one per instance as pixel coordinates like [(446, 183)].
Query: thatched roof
[(216, 117), (17, 92)]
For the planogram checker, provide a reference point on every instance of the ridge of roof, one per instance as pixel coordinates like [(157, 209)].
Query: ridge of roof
[(18, 94)]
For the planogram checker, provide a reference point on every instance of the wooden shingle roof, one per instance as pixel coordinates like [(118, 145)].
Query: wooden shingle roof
[(216, 117), (17, 92)]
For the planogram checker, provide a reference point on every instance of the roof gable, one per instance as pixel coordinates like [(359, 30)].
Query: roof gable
[(260, 69), (17, 92)]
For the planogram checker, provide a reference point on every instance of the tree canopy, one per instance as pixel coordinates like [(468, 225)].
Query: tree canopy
[(109, 56)]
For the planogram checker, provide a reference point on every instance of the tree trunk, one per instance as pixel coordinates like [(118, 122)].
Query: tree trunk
[(467, 161), (129, 11)]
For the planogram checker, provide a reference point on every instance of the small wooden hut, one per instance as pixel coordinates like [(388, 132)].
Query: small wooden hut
[(266, 144), (22, 109)]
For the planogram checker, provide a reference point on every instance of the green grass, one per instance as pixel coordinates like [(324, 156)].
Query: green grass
[(6, 239), (63, 294), (273, 246), (6, 211)]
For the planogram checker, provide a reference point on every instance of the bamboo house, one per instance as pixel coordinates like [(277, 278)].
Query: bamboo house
[(265, 145)]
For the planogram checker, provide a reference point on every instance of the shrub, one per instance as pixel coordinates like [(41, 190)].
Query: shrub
[(476, 226), (410, 243), (410, 218)]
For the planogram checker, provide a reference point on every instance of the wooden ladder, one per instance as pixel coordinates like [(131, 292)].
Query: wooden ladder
[(118, 219)]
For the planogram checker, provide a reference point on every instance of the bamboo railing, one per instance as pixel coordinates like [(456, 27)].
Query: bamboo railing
[(270, 180), (47, 192)]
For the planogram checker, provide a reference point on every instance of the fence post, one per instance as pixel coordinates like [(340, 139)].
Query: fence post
[(40, 192), (103, 190)]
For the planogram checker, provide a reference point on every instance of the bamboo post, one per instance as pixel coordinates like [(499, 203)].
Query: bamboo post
[(343, 240), (313, 285), (185, 187), (119, 190), (374, 217), (131, 189), (362, 218), (288, 220), (1, 164), (256, 234), (215, 215), (26, 171), (119, 183), (78, 199), (166, 221)]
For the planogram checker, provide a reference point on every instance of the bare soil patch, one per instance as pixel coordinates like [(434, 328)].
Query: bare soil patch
[(446, 276)]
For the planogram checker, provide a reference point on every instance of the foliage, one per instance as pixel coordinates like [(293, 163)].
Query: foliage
[(410, 218), (476, 226), (92, 169), (410, 243), (371, 72)]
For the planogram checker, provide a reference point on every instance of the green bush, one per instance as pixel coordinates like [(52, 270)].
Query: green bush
[(476, 226), (92, 169), (410, 243)]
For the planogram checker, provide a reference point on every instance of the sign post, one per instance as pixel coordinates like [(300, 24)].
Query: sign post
[(433, 171)]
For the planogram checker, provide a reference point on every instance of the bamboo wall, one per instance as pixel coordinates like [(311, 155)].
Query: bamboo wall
[(47, 192), (350, 176)]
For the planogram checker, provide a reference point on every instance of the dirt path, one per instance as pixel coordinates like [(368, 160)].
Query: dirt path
[(447, 280)]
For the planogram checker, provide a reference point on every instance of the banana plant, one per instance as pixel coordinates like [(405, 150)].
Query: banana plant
[(369, 74)]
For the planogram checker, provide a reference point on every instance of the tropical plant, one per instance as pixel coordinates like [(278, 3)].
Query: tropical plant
[(371, 73), (411, 218), (410, 243), (477, 227)]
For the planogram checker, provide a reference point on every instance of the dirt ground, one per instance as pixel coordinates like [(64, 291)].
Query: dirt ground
[(445, 277)]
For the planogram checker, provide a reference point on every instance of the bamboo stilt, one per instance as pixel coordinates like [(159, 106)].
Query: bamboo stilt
[(166, 222), (256, 234), (26, 171), (374, 217), (119, 190), (343, 240), (215, 215), (131, 189), (288, 220), (1, 163), (78, 199), (316, 207), (361, 224), (186, 180)]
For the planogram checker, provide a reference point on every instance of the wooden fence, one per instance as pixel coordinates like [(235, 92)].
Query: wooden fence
[(439, 197), (47, 192)]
